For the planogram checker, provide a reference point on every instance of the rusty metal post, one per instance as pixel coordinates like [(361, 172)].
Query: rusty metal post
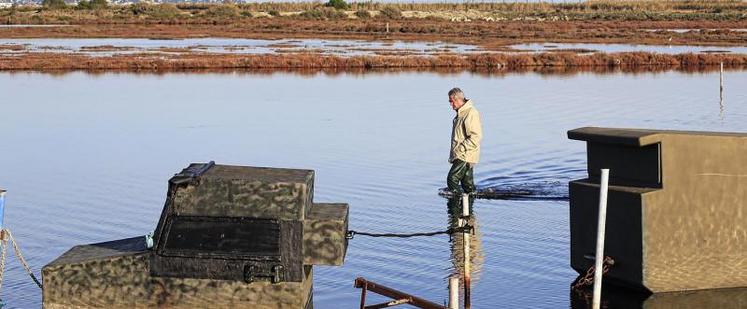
[(364, 289), (467, 270)]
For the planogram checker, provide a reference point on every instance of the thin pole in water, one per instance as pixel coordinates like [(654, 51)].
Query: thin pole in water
[(453, 292), (2, 207), (602, 220), (467, 270), (2, 213), (721, 86)]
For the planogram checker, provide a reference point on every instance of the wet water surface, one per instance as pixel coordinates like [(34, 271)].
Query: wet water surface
[(617, 48), (112, 46), (129, 46), (86, 159)]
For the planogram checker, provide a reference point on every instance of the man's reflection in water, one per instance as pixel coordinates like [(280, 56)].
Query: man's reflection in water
[(456, 240)]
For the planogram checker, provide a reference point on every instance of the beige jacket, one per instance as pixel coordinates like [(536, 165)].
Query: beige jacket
[(466, 134)]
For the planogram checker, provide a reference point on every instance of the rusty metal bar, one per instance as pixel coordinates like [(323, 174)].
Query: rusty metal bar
[(393, 294), (390, 304), (363, 296)]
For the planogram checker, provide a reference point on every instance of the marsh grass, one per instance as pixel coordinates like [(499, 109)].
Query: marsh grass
[(590, 10), (312, 60)]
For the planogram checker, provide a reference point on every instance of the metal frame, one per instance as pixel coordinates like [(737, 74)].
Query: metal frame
[(399, 298)]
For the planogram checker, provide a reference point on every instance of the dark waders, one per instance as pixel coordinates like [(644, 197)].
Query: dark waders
[(460, 172)]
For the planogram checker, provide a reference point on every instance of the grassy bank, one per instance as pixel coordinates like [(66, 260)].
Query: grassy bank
[(56, 11), (489, 35), (491, 25), (503, 62)]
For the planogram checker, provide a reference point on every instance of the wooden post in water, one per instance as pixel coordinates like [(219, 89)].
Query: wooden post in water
[(466, 240), (601, 222), (387, 27), (453, 292)]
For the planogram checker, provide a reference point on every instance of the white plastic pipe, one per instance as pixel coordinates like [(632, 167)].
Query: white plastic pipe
[(465, 205), (602, 220), (721, 77), (454, 292)]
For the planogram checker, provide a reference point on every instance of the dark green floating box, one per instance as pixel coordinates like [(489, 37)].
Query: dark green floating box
[(241, 191), (324, 234), (228, 236), (677, 205)]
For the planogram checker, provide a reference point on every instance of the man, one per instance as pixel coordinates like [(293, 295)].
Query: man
[(466, 134)]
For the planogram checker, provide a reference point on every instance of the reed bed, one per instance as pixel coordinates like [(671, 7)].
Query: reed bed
[(608, 6), (506, 62), (489, 35), (235, 13)]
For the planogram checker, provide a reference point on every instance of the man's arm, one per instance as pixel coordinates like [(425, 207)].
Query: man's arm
[(473, 129)]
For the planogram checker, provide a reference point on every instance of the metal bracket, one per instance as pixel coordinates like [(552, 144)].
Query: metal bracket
[(253, 272)]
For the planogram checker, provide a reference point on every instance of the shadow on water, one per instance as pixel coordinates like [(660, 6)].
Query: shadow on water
[(621, 298)]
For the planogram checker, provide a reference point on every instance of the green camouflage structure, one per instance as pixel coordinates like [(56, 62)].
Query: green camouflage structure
[(189, 267), (677, 208)]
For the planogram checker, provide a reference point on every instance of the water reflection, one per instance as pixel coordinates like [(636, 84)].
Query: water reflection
[(615, 297), (617, 48), (456, 241)]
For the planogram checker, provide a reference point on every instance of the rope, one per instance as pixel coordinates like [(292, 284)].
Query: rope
[(21, 259), (464, 229)]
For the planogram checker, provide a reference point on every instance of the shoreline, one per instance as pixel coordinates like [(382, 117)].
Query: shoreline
[(489, 27), (634, 61)]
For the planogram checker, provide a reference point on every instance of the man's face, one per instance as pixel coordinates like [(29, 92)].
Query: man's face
[(455, 103)]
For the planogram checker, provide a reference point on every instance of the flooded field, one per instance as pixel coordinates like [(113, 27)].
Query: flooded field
[(133, 46), (686, 30), (616, 48), (122, 46), (86, 158)]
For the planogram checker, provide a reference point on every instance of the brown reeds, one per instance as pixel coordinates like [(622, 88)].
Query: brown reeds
[(505, 62), (12, 47), (649, 10), (490, 35)]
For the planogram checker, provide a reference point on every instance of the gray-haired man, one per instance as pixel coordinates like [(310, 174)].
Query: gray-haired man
[(466, 134)]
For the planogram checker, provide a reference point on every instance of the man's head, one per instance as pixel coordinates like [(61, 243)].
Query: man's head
[(456, 98)]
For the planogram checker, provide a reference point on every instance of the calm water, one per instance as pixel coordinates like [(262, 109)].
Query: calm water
[(124, 46), (617, 48), (86, 159)]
